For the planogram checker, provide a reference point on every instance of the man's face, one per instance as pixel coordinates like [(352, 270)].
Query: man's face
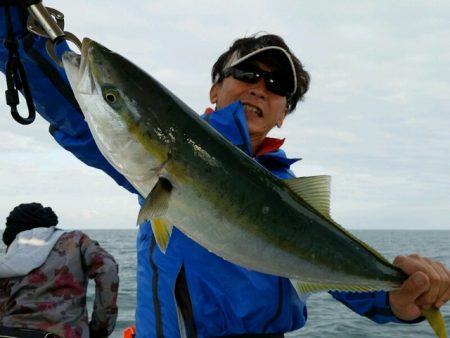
[(263, 108)]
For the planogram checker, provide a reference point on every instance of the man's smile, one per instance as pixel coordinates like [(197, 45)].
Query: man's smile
[(252, 109)]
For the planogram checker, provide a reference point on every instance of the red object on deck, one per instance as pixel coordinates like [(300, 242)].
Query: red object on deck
[(129, 332)]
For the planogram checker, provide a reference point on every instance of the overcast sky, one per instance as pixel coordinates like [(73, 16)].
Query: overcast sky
[(376, 117)]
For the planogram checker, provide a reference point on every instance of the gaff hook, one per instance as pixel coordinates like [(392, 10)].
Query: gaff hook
[(49, 23)]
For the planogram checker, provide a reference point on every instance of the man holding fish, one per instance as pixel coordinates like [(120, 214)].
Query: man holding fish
[(183, 288)]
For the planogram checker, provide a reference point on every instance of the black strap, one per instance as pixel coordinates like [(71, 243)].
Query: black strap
[(31, 2), (185, 304), (262, 335), (16, 332), (159, 327), (16, 78)]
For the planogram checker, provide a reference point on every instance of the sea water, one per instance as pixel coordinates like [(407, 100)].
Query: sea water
[(326, 316)]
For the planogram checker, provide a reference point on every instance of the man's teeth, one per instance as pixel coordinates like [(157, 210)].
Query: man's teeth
[(253, 110)]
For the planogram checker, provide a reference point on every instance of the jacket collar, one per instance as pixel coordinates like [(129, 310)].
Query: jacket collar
[(230, 121), (269, 145)]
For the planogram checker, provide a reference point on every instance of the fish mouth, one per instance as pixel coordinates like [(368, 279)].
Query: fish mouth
[(72, 62), (78, 67), (248, 108), (71, 58), (85, 55)]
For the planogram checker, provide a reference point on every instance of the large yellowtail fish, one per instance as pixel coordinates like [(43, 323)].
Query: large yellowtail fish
[(194, 178)]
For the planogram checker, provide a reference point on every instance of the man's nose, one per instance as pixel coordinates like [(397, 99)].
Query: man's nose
[(259, 89)]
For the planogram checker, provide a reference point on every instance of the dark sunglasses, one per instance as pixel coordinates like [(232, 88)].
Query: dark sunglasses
[(274, 81)]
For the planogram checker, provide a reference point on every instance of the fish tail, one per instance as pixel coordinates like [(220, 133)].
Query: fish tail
[(436, 321)]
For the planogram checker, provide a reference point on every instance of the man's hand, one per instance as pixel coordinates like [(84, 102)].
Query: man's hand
[(428, 284)]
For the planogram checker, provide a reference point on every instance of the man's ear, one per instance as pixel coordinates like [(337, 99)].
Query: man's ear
[(213, 93), (282, 117)]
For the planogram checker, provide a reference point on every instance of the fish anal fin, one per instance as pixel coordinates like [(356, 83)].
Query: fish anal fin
[(307, 287)]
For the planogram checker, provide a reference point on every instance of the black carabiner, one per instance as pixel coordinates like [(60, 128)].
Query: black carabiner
[(16, 80)]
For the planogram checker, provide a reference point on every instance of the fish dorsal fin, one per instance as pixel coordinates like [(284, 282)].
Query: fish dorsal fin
[(154, 210), (315, 190)]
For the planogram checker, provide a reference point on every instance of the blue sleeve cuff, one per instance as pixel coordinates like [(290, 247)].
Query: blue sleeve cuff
[(373, 305)]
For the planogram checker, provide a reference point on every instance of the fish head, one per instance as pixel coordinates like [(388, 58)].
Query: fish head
[(104, 87), (98, 72)]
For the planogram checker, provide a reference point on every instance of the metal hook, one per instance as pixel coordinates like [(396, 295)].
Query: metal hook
[(50, 46), (49, 23), (45, 21)]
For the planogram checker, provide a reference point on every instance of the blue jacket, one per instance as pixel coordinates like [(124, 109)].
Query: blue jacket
[(217, 297)]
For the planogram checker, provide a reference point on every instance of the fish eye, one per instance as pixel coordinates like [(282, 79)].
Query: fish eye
[(111, 95)]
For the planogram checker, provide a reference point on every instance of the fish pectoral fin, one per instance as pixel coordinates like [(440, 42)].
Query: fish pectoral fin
[(436, 321), (154, 210), (157, 202), (315, 190), (162, 229)]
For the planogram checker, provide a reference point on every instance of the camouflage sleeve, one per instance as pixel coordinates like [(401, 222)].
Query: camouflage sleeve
[(4, 295), (101, 267)]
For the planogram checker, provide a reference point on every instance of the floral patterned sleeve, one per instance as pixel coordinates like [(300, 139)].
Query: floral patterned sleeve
[(101, 267), (4, 296)]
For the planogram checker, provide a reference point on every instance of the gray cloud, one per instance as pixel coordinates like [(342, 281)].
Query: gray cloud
[(376, 117)]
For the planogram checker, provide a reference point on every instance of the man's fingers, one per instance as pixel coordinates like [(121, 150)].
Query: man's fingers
[(403, 300), (444, 296), (435, 290), (438, 289)]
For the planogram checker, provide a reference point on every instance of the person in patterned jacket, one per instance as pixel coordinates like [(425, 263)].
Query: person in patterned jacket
[(44, 277)]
